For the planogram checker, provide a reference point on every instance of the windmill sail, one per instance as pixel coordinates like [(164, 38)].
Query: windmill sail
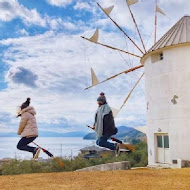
[(127, 71), (131, 91), (95, 36), (95, 80), (159, 10), (108, 10), (134, 1), (131, 2), (114, 111)]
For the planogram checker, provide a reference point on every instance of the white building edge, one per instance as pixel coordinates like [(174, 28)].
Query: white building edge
[(167, 83)]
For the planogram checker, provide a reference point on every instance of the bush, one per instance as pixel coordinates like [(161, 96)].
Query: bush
[(138, 158)]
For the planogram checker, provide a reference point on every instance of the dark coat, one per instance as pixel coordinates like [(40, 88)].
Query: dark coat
[(109, 128)]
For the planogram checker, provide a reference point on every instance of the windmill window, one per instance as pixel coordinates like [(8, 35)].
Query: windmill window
[(161, 56), (157, 57)]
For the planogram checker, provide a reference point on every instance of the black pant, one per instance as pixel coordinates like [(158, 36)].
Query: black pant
[(23, 144), (103, 142)]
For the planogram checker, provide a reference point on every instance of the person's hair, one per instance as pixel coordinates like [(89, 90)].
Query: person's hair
[(25, 104)]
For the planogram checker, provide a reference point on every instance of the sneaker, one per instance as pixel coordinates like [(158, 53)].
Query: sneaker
[(117, 150), (36, 153)]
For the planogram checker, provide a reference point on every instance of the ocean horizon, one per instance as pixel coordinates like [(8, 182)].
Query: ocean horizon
[(66, 147)]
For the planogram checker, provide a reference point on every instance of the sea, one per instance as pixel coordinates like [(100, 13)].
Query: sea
[(67, 147)]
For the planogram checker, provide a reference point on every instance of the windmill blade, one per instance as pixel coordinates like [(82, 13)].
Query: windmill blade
[(110, 47), (108, 10), (121, 30), (159, 10), (114, 111), (95, 80), (124, 72), (128, 96), (95, 36), (131, 2)]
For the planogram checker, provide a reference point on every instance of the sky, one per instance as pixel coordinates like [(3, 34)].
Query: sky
[(42, 56)]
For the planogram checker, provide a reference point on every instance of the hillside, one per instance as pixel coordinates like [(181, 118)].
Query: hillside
[(114, 180), (124, 133)]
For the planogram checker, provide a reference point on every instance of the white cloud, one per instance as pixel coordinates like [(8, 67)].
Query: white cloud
[(23, 32), (12, 9), (82, 6), (59, 3)]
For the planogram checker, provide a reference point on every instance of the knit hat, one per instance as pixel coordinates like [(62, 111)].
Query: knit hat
[(102, 98), (25, 104)]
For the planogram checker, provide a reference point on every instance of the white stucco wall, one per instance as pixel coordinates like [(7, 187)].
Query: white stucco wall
[(163, 80)]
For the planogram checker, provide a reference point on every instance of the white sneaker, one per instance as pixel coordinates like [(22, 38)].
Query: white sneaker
[(36, 153), (117, 150)]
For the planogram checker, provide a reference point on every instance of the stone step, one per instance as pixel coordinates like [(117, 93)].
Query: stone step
[(159, 166), (125, 165)]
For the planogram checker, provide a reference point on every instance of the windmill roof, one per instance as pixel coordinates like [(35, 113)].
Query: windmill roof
[(178, 34)]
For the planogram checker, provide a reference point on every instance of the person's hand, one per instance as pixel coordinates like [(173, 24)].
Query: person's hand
[(93, 127)]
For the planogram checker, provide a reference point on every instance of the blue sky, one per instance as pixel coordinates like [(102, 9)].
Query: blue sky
[(43, 57)]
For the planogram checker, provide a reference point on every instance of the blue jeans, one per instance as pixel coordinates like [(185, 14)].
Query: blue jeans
[(23, 144), (103, 142)]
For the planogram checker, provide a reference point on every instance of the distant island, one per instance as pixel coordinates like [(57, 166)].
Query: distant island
[(125, 133), (48, 134)]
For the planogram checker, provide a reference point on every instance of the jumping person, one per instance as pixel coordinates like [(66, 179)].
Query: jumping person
[(28, 129), (104, 125)]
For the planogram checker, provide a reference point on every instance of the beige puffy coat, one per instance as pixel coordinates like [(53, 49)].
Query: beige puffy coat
[(28, 126)]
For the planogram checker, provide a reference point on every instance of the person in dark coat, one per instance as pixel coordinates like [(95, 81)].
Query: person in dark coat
[(104, 124)]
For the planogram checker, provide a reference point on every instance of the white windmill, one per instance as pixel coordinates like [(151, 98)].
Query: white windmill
[(167, 79), (167, 74)]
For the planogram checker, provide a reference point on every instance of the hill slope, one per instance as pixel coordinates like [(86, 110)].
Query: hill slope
[(124, 133)]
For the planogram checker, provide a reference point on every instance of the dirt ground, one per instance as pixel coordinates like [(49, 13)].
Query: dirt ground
[(170, 179)]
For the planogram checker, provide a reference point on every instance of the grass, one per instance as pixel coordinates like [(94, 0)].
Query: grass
[(113, 180)]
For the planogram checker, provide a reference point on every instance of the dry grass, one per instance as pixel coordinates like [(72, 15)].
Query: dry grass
[(178, 179)]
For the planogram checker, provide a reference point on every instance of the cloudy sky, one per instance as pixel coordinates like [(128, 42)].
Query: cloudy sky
[(42, 56)]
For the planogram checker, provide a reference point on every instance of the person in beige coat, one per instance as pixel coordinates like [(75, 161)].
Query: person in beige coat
[(28, 129)]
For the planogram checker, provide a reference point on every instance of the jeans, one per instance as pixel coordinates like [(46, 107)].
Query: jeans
[(23, 144), (103, 142)]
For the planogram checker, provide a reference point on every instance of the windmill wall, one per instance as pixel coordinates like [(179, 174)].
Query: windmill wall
[(167, 83)]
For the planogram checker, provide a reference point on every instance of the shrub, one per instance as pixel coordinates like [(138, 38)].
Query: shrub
[(138, 158)]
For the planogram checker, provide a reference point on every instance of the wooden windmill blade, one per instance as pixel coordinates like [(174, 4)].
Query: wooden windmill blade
[(121, 29), (95, 36), (108, 10), (95, 80), (157, 10), (95, 40), (129, 3), (115, 111), (128, 96)]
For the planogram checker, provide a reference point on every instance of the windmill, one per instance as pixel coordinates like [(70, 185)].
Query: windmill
[(142, 51)]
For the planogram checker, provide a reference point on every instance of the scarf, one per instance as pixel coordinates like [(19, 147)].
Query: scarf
[(100, 113)]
